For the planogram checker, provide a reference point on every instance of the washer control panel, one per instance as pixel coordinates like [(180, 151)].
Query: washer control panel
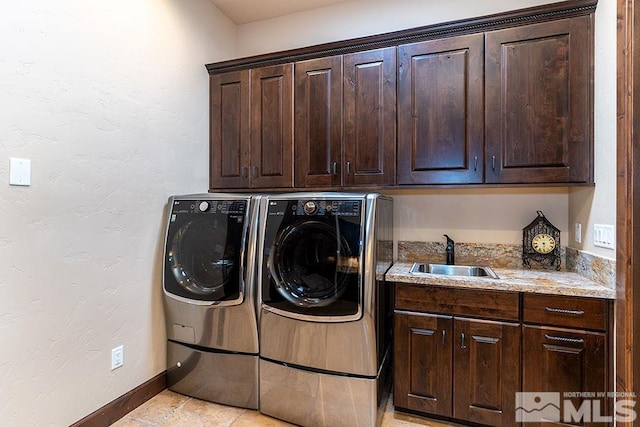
[(225, 207)]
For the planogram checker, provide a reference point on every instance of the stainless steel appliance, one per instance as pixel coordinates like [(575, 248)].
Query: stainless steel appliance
[(209, 295), (325, 318)]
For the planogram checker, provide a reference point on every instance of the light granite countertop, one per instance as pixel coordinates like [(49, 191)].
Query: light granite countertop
[(510, 279)]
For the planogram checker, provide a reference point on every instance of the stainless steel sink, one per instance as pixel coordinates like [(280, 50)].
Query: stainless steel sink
[(452, 270)]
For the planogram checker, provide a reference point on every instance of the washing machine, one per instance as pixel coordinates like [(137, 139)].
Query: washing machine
[(325, 312), (209, 298)]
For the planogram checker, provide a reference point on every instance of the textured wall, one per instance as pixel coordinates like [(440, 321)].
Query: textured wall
[(109, 100)]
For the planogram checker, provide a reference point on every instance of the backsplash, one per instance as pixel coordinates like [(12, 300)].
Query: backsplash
[(495, 255), (600, 270)]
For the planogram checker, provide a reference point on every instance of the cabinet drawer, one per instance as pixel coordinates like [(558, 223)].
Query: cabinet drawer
[(587, 313), (462, 302)]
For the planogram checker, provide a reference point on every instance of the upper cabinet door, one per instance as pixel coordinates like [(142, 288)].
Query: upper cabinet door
[(230, 130), (272, 126), (539, 114), (370, 117), (318, 122), (440, 111)]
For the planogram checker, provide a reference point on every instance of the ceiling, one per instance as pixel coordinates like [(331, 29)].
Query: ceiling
[(245, 11)]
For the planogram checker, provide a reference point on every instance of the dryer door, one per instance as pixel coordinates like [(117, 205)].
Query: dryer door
[(314, 269), (204, 252)]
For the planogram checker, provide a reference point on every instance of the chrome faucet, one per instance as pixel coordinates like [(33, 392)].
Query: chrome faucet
[(451, 250)]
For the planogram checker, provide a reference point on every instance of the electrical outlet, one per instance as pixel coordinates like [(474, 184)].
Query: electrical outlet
[(604, 236), (578, 233), (117, 357)]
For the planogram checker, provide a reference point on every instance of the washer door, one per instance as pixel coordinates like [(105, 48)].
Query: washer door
[(314, 270), (203, 257)]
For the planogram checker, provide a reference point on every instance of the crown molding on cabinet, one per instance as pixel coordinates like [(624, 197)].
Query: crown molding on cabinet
[(544, 13)]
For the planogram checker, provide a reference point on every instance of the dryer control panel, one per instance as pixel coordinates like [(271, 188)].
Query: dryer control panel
[(326, 207)]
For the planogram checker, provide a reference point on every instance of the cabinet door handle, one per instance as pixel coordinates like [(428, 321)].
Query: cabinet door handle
[(244, 171), (348, 168), (462, 345), (255, 171), (335, 168), (562, 311), (493, 162), (563, 339), (475, 163), (444, 333)]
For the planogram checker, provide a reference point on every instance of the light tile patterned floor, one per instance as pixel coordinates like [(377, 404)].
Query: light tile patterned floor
[(175, 410)]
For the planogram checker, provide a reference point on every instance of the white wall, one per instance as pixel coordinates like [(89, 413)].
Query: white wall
[(590, 206), (109, 100), (491, 215), (359, 18)]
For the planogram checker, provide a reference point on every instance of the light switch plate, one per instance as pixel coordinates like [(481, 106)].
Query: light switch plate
[(19, 171), (604, 236)]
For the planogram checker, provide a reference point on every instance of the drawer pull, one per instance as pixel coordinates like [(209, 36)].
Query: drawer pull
[(562, 339), (561, 311)]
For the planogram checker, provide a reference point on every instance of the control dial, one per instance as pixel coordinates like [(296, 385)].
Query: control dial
[(310, 207), (203, 206)]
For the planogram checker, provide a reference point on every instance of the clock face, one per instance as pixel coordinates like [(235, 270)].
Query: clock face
[(543, 243)]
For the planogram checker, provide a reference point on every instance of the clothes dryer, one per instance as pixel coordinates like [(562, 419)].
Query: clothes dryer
[(325, 317), (209, 296)]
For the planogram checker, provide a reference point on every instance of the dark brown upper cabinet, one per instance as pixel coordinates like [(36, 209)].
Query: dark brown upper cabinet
[(252, 128), (272, 126), (504, 99), (440, 111), (536, 124), (318, 122), (539, 103), (345, 116), (230, 131)]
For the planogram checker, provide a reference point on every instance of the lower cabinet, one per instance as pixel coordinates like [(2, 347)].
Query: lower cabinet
[(464, 354), (457, 367), (486, 371), (450, 364), (566, 352), (423, 363)]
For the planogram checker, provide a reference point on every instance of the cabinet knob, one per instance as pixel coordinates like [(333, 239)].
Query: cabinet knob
[(255, 171), (348, 168), (462, 344), (493, 162), (475, 163), (444, 334), (335, 168), (244, 171)]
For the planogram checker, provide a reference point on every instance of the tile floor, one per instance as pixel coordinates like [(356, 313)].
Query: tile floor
[(175, 410)]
